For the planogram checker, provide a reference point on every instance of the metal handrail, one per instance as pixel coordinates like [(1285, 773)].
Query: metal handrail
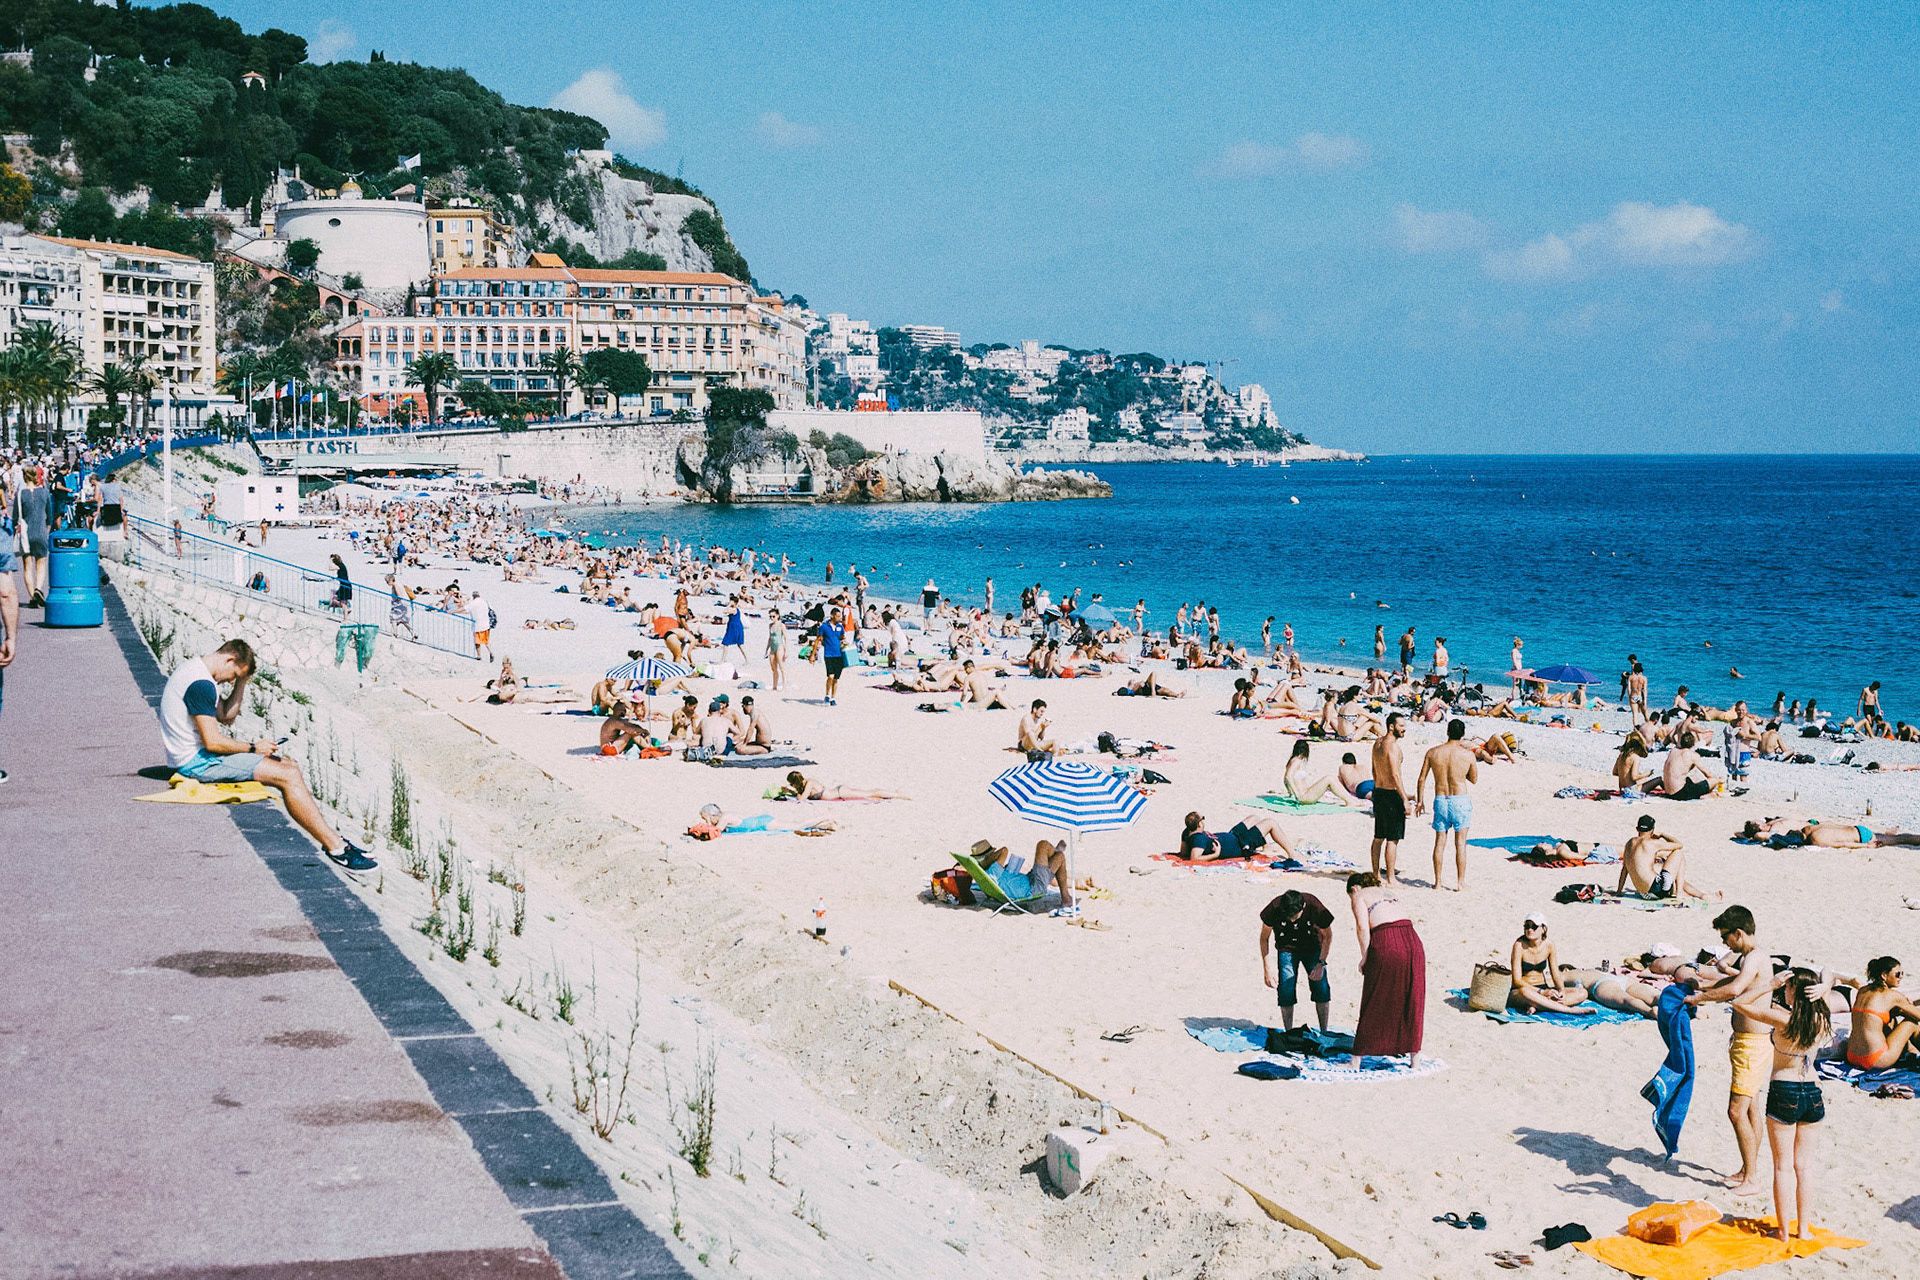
[(246, 572)]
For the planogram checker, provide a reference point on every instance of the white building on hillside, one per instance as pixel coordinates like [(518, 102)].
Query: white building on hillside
[(930, 337), (384, 242), (1029, 359), (1255, 405), (1070, 427)]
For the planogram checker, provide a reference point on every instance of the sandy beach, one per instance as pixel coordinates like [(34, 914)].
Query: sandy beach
[(1531, 1125)]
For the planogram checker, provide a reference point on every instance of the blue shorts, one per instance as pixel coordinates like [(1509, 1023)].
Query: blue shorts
[(1452, 813), (208, 767), (1365, 789), (1017, 885), (1290, 967)]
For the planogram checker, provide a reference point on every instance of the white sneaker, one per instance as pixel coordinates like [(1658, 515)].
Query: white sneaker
[(1065, 913)]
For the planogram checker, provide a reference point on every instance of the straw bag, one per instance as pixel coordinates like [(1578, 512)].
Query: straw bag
[(1492, 985)]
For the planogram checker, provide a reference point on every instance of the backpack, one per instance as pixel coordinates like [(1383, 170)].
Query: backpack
[(1578, 893), (953, 887), (493, 619)]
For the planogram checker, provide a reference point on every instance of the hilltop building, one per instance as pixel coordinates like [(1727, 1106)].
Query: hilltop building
[(466, 235)]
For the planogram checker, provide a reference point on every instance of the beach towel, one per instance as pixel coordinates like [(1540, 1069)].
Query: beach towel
[(1600, 1017), (1738, 1244), (1512, 844), (1347, 1070), (1597, 793), (184, 790), (1285, 804), (1862, 1078), (758, 762), (1310, 859), (1671, 1089)]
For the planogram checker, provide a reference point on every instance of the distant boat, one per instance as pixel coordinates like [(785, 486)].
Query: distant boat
[(1294, 501), (1262, 461), (1233, 462)]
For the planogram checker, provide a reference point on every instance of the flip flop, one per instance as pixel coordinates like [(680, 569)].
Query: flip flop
[(1453, 1220), (1125, 1035)]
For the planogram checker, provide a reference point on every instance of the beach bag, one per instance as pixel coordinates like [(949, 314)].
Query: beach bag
[(700, 755), (1578, 893), (953, 887), (1109, 744), (1672, 1223), (1490, 989), (493, 619)]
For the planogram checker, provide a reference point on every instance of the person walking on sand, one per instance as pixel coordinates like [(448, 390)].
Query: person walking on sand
[(1393, 969), (1454, 767), (9, 600), (1636, 688), (482, 614), (733, 640), (776, 647), (832, 636), (1389, 797), (929, 599), (1748, 1050)]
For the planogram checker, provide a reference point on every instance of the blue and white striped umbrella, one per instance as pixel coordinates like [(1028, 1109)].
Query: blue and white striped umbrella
[(1068, 796), (646, 670)]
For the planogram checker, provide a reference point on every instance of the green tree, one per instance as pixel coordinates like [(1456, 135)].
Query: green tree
[(564, 367), (16, 194), (303, 256), (90, 216), (619, 373), (430, 372), (112, 382)]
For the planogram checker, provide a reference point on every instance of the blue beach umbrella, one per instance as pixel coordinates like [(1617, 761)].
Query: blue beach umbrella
[(1565, 673), (1098, 616), (646, 670), (1068, 796)]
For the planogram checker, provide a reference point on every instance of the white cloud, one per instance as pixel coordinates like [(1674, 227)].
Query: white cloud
[(777, 131), (601, 93), (331, 41), (1330, 151), (1437, 230), (1634, 234), (1250, 159)]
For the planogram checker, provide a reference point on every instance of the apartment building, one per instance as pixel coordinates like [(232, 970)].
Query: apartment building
[(696, 330), (466, 235)]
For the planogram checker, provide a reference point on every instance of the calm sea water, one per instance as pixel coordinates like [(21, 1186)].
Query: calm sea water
[(1802, 572)]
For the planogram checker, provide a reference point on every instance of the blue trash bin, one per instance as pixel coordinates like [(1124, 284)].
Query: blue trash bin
[(73, 579)]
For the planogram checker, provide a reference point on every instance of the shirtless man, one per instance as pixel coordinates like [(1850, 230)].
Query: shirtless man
[(1824, 835), (1389, 797), (1453, 767), (978, 690), (1656, 864), (1750, 1049), (755, 739), (1036, 735), (1682, 775), (1353, 779)]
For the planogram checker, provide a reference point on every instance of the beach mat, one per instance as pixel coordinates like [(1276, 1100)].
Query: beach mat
[(1863, 1078), (1512, 844), (1310, 860), (1600, 1017), (182, 790), (1735, 1244), (757, 762), (1282, 804), (1234, 1036)]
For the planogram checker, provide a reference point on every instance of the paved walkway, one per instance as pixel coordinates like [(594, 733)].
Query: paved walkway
[(213, 1062)]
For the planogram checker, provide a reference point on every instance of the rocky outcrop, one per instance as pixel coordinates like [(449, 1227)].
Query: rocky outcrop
[(627, 215), (804, 473)]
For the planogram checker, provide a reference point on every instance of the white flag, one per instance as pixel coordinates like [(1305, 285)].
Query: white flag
[(410, 162)]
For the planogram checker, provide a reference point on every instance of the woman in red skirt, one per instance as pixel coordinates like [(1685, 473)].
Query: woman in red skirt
[(1393, 997)]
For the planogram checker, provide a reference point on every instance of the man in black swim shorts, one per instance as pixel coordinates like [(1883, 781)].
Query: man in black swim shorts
[(1389, 798)]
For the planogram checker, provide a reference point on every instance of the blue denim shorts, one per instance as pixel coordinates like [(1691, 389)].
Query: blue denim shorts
[(1795, 1102), (1290, 968)]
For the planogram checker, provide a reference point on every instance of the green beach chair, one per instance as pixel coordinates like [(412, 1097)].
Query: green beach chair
[(990, 888)]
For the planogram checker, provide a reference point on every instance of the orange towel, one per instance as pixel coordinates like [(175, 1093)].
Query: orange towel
[(1737, 1244)]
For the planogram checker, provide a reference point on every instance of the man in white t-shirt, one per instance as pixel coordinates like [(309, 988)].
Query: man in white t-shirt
[(482, 615), (193, 725)]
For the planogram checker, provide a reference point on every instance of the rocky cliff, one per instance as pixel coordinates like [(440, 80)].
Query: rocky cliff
[(902, 477), (627, 214)]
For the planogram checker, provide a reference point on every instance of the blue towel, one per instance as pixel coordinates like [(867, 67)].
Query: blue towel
[(1861, 1078), (1512, 844), (1600, 1017), (1671, 1089), (1231, 1039)]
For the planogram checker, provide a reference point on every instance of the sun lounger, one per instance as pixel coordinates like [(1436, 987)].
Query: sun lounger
[(990, 888)]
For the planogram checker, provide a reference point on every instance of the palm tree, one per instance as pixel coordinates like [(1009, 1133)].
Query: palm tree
[(112, 382), (53, 365), (566, 369), (239, 376), (140, 375), (13, 386), (430, 372)]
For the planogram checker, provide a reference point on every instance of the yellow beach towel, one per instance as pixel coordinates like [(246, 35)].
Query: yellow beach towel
[(1738, 1244), (183, 790)]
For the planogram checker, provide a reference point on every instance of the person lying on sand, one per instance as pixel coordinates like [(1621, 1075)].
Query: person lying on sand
[(1048, 870), (1297, 786), (1149, 686), (1538, 986), (1656, 865), (1244, 841), (801, 787), (1628, 993), (1496, 746), (1564, 850), (1814, 833), (938, 677)]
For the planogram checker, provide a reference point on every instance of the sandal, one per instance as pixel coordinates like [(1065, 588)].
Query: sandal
[(1125, 1035)]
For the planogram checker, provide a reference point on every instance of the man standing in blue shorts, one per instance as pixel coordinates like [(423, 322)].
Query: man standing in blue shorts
[(1453, 767), (193, 725)]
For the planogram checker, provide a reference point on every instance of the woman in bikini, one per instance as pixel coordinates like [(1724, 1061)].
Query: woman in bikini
[(800, 787), (1886, 1024), (1304, 790), (1537, 984), (1801, 1026)]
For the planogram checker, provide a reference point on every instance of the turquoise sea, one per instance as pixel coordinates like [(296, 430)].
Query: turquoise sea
[(1801, 571)]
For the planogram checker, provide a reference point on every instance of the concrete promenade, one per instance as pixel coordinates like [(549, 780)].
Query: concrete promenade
[(213, 1062)]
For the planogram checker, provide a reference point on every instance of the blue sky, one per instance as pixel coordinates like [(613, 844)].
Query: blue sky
[(1447, 229)]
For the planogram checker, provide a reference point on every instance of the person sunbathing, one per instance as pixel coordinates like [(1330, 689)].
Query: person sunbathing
[(940, 677), (1656, 865), (1564, 850), (1148, 686), (1682, 776), (1496, 746), (1886, 1023), (801, 787), (504, 687), (1304, 790), (685, 724), (1627, 773), (1813, 833), (1354, 780), (1244, 841), (1048, 870), (1240, 705), (1625, 992), (754, 738), (618, 734), (1538, 986)]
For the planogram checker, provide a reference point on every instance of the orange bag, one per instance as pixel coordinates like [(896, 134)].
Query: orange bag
[(1672, 1223), (953, 887)]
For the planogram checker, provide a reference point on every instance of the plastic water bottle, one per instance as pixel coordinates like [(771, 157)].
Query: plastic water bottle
[(820, 919), (1106, 1116)]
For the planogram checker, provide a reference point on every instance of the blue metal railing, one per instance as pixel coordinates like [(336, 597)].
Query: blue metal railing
[(140, 453), (245, 571)]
